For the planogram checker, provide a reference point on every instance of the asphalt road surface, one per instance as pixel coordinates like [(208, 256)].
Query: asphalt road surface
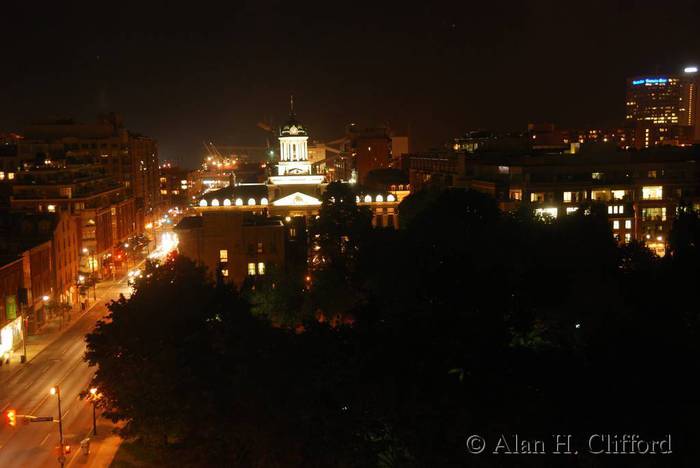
[(27, 391)]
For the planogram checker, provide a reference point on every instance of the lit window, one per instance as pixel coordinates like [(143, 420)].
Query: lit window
[(571, 209), (654, 192), (224, 272), (202, 202), (260, 247), (567, 197), (261, 268), (618, 194), (390, 198), (251, 201), (621, 209), (357, 199), (251, 269), (263, 201), (379, 198), (239, 202), (597, 175), (628, 224), (651, 174), (51, 208), (223, 255), (10, 175), (616, 224), (215, 202), (227, 202), (610, 209), (163, 192), (546, 212), (368, 198)]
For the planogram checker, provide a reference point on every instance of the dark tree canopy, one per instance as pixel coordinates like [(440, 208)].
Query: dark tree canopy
[(468, 320)]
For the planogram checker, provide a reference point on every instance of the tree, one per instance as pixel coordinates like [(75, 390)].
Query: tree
[(156, 350), (341, 226)]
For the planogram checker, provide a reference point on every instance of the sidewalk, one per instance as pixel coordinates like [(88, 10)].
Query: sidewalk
[(103, 447), (49, 333)]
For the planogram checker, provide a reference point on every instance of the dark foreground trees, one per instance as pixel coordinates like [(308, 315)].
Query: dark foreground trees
[(471, 321)]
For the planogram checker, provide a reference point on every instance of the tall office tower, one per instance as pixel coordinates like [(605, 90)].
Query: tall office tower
[(662, 109)]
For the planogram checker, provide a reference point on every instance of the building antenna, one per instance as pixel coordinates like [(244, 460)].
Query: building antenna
[(291, 104)]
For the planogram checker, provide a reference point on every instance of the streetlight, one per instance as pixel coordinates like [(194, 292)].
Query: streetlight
[(56, 391), (94, 396)]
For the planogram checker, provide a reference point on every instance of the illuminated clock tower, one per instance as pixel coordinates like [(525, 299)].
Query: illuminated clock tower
[(294, 151)]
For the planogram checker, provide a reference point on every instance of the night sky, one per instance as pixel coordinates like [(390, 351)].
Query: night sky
[(211, 71)]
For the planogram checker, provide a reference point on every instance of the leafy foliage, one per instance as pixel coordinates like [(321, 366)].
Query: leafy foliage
[(466, 321)]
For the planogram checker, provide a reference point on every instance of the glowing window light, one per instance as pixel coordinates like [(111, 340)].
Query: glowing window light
[(544, 212), (227, 202), (215, 202), (357, 199), (390, 197), (251, 201), (690, 69), (264, 201), (202, 202), (239, 202), (368, 199), (379, 198)]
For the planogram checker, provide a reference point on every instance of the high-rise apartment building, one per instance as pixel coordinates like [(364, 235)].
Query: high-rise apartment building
[(662, 109), (131, 159)]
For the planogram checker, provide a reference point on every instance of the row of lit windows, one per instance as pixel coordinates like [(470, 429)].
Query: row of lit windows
[(378, 198), (227, 202), (628, 224), (616, 209), (252, 270), (8, 176)]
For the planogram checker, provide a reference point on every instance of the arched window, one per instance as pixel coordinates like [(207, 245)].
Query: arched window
[(202, 202), (227, 202), (215, 202), (239, 202), (251, 201)]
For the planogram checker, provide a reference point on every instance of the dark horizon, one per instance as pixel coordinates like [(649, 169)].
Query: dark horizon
[(185, 75)]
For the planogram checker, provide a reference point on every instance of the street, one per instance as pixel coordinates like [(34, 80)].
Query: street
[(27, 391)]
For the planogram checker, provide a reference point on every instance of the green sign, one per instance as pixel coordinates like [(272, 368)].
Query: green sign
[(11, 307)]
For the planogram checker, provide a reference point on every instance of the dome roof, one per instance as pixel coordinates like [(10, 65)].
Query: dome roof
[(293, 127)]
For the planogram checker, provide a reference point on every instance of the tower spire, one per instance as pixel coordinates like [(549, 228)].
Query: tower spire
[(291, 104)]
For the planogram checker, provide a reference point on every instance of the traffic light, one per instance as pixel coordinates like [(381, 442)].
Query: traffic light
[(11, 416)]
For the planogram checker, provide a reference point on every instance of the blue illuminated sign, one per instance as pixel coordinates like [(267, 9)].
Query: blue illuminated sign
[(650, 81)]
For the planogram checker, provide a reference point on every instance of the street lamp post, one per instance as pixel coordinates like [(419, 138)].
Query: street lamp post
[(92, 272), (25, 324), (55, 390), (94, 396)]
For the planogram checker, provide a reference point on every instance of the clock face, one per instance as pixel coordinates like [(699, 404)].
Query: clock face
[(293, 130)]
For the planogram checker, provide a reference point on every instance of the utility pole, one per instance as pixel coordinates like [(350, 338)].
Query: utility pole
[(55, 390)]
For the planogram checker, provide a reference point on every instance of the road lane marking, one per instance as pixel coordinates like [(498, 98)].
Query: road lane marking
[(46, 437)]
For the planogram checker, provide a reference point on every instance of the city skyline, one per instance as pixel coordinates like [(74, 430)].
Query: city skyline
[(211, 73)]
